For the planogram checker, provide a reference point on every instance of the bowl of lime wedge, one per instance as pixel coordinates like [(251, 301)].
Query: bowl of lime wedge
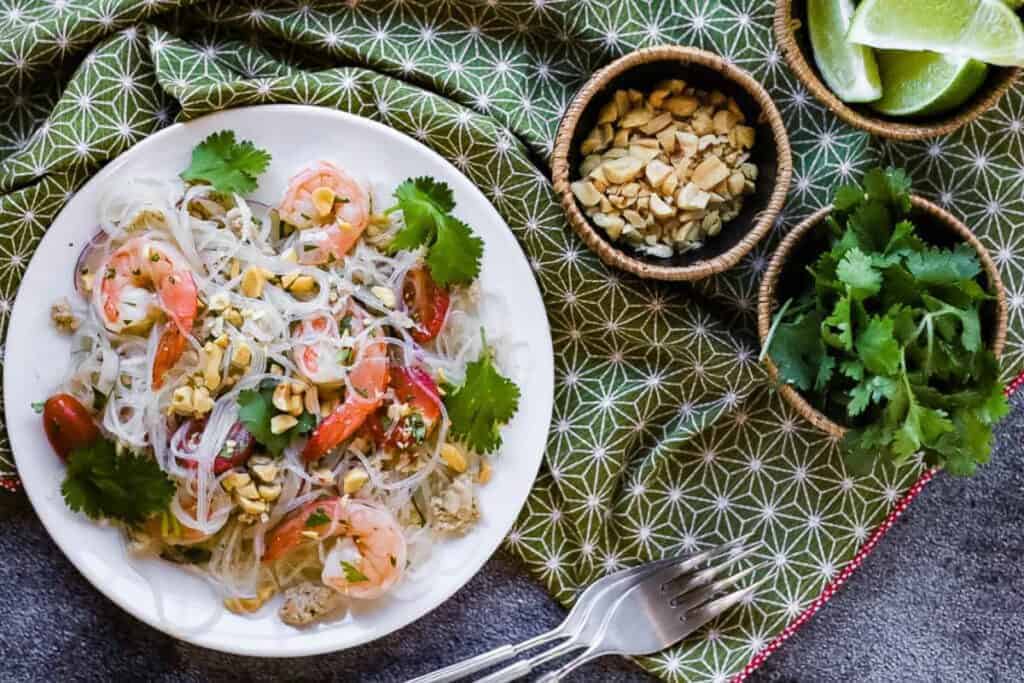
[(904, 69)]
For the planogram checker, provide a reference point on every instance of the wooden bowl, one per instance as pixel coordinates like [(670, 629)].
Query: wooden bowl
[(790, 15), (771, 154), (800, 247)]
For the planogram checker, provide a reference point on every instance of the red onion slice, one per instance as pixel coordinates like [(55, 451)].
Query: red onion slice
[(90, 260)]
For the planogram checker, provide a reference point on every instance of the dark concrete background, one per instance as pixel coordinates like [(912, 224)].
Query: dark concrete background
[(941, 599)]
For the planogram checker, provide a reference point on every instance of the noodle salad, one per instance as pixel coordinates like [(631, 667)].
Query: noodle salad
[(295, 399)]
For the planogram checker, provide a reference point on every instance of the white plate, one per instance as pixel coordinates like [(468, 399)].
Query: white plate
[(36, 360)]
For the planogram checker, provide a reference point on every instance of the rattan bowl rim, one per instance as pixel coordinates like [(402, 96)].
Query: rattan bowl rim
[(785, 35), (766, 299), (619, 258)]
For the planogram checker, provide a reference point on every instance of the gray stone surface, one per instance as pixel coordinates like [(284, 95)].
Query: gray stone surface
[(941, 599)]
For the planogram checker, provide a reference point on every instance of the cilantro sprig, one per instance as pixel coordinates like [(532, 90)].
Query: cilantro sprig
[(256, 410), (125, 488), (453, 251), (886, 337), (227, 165), (484, 402)]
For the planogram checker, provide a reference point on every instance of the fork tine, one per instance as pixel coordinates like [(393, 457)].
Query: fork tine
[(677, 570), (703, 615), (698, 594), (706, 575)]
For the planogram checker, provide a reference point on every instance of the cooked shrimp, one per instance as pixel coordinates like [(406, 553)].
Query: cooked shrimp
[(329, 208), (324, 359), (369, 379), (325, 347), (140, 279), (319, 352), (371, 543)]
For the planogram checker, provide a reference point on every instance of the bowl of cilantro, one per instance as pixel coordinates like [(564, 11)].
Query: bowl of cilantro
[(883, 318)]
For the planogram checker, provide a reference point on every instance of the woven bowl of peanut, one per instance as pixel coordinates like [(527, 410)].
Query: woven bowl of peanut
[(672, 163)]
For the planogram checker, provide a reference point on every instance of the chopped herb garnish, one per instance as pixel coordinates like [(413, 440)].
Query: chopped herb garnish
[(38, 406), (353, 575), (344, 356), (416, 427), (317, 518), (99, 400)]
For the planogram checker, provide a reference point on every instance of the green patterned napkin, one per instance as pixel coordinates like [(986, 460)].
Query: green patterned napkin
[(666, 434)]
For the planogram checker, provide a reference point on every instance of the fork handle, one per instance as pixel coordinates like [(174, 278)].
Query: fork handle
[(520, 669), (584, 657), (486, 660)]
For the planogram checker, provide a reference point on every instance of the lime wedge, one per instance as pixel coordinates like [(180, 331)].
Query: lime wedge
[(986, 30), (926, 83), (848, 69)]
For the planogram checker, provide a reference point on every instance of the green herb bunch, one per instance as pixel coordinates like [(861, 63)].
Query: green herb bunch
[(887, 337)]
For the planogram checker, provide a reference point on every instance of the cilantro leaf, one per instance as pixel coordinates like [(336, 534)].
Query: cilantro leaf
[(847, 197), (455, 256), (125, 488), (871, 222), (228, 165), (352, 575), (482, 404), (255, 411), (877, 347), (453, 251), (797, 350), (858, 274), (873, 390), (944, 266), (891, 186), (837, 329)]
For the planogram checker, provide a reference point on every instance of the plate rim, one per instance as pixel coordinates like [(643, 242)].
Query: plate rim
[(258, 648)]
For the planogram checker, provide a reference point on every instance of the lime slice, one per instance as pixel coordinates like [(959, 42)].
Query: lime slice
[(926, 83), (848, 69), (986, 30)]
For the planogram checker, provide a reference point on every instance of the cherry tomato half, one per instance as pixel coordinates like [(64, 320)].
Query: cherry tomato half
[(427, 303), (68, 424), (237, 449), (238, 446), (417, 389)]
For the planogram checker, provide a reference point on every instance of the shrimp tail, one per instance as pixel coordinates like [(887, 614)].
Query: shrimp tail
[(169, 350)]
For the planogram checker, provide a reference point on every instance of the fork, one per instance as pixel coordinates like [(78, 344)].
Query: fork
[(591, 599), (680, 576), (659, 612)]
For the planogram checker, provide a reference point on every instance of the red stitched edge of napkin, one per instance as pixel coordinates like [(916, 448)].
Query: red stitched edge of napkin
[(833, 586)]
